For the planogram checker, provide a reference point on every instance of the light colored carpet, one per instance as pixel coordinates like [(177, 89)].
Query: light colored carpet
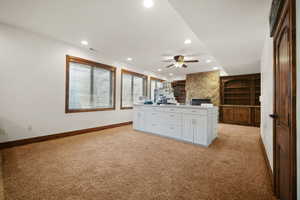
[(122, 164)]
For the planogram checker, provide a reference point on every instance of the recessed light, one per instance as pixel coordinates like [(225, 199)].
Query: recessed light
[(216, 68), (84, 42), (187, 41), (129, 59), (208, 61), (171, 74), (159, 70), (148, 3)]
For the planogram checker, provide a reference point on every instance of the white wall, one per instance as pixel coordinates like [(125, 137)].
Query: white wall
[(32, 87), (267, 97)]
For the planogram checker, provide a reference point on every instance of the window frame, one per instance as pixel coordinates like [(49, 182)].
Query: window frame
[(78, 60), (154, 79), (145, 77)]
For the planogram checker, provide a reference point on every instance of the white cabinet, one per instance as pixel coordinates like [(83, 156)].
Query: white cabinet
[(200, 130), (139, 118), (187, 128), (193, 125)]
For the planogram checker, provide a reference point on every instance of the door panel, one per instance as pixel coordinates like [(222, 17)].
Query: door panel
[(228, 114), (242, 115), (284, 134), (257, 116), (187, 128)]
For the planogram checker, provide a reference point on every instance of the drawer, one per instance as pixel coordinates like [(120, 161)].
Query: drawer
[(171, 118), (173, 131), (153, 127), (195, 111), (169, 110)]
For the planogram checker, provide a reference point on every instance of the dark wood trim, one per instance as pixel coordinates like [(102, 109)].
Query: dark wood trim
[(288, 7), (93, 64), (134, 73), (89, 62), (145, 77), (276, 9), (269, 168), (59, 135), (156, 79), (242, 75)]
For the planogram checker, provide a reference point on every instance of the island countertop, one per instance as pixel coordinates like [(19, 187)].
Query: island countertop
[(178, 106)]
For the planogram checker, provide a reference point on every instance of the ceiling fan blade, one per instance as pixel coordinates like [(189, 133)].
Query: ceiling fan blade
[(184, 66), (171, 60), (170, 66), (191, 61)]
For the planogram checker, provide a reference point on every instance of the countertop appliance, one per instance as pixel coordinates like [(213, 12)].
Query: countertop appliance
[(198, 102)]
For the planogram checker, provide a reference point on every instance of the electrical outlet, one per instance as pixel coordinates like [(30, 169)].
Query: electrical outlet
[(29, 128)]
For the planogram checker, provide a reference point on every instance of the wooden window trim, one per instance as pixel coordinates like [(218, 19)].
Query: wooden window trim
[(93, 64), (154, 79), (145, 77)]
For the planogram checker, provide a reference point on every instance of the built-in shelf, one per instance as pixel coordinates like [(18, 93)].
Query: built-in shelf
[(240, 99)]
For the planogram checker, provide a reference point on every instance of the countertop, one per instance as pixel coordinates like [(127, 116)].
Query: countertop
[(176, 106)]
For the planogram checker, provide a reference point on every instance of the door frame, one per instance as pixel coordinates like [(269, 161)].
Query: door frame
[(289, 6)]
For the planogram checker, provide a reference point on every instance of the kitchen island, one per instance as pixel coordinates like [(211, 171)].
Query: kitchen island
[(193, 124)]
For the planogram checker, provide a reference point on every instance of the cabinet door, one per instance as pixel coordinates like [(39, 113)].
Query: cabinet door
[(152, 122), (228, 114), (173, 131), (199, 126), (187, 128), (242, 115), (139, 120), (257, 116)]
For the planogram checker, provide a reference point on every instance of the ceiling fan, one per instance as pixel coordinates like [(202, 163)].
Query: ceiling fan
[(179, 61)]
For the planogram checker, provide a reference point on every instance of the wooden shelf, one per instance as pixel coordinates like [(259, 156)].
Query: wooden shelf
[(240, 99), (237, 87), (237, 98), (237, 93)]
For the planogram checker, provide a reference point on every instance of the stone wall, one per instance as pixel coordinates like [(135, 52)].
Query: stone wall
[(203, 85)]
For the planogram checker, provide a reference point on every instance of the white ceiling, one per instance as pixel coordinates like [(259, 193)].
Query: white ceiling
[(232, 31)]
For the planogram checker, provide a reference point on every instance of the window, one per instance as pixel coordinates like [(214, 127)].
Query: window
[(134, 85), (90, 86), (155, 83)]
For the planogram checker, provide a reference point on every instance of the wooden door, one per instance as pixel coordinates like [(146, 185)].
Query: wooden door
[(285, 109)]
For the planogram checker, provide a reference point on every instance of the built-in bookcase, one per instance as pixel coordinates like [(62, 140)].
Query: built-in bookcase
[(240, 103), (240, 90)]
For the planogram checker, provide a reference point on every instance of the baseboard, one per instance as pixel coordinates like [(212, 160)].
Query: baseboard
[(270, 172), (58, 135)]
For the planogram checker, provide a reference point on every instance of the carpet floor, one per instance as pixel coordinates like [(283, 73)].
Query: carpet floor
[(123, 164)]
